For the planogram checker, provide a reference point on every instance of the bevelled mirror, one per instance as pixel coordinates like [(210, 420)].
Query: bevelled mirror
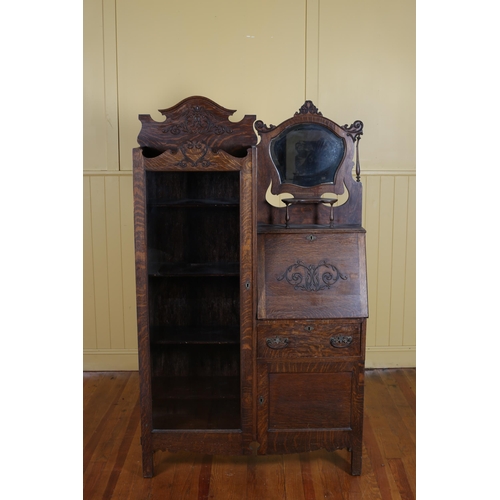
[(307, 154)]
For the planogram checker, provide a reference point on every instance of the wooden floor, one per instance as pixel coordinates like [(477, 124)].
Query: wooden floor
[(112, 452)]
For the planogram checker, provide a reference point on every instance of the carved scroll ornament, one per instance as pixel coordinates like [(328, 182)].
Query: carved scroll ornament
[(311, 278)]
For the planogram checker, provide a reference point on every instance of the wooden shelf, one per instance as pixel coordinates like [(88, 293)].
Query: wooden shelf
[(194, 335), (183, 414), (300, 228), (194, 269), (195, 388), (194, 203)]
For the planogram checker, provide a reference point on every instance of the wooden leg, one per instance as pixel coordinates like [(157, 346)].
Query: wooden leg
[(147, 457), (356, 458), (147, 465)]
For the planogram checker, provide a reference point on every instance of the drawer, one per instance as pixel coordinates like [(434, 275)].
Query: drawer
[(290, 339)]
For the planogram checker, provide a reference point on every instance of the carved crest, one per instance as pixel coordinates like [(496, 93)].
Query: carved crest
[(308, 107), (197, 119)]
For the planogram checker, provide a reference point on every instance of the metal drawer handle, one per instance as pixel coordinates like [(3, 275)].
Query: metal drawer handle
[(341, 341), (277, 342)]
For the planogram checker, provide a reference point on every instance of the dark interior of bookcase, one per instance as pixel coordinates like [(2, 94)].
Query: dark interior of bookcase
[(193, 291)]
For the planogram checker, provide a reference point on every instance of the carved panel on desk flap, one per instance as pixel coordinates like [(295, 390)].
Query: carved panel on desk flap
[(311, 278)]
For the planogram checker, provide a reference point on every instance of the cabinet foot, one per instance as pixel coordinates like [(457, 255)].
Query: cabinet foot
[(147, 465), (356, 459)]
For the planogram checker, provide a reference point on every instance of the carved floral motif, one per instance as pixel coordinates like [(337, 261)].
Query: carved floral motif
[(197, 120), (194, 154)]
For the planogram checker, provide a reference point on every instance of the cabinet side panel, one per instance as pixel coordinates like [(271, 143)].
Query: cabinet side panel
[(142, 309)]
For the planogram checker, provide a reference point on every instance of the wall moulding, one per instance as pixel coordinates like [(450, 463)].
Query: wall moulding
[(408, 173)]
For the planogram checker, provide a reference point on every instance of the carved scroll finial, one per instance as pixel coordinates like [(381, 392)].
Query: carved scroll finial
[(308, 107), (261, 127), (354, 130)]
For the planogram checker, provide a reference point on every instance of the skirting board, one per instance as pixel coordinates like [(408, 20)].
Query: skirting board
[(102, 360), (127, 360), (391, 357)]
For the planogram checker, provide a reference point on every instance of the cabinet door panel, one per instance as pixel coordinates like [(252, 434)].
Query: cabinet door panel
[(310, 400), (303, 406)]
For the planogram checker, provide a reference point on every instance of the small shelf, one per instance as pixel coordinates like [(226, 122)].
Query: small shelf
[(195, 388), (194, 203), (185, 335), (301, 228), (195, 415), (158, 269)]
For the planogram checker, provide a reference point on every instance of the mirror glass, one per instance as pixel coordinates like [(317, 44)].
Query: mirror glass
[(307, 154)]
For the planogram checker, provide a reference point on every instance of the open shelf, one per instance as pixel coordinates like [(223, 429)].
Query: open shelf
[(185, 414), (196, 403), (160, 269), (195, 335), (196, 387), (194, 203)]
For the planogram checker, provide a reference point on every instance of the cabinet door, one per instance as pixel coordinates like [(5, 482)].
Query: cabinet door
[(304, 406), (194, 270)]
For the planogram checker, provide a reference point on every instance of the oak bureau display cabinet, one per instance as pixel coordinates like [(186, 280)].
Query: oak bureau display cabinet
[(251, 283)]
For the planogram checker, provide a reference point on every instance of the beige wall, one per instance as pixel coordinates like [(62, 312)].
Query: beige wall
[(355, 60)]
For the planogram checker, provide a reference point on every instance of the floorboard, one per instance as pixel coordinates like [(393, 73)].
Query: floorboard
[(112, 452)]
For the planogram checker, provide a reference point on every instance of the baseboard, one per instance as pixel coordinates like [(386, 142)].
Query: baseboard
[(100, 360), (127, 360), (391, 357)]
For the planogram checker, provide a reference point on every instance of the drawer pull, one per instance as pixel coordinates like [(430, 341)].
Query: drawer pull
[(341, 341), (277, 342)]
